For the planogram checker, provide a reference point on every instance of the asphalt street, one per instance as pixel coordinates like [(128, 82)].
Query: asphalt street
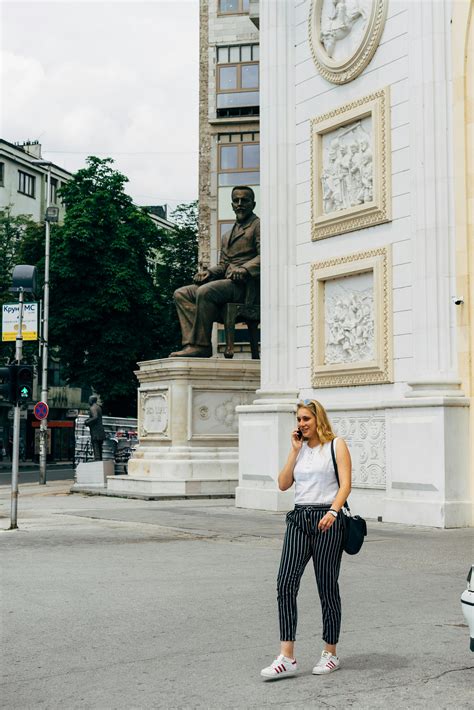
[(112, 603), (30, 474)]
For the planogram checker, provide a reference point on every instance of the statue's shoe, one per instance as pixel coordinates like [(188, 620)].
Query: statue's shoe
[(193, 351)]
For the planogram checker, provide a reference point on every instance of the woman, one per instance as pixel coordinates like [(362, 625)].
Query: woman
[(314, 529)]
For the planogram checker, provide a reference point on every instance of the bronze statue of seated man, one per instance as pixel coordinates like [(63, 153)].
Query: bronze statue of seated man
[(199, 304)]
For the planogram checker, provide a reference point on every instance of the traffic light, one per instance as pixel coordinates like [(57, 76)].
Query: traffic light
[(24, 383), (7, 386)]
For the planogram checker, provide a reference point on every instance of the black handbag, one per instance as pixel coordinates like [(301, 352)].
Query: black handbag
[(355, 527)]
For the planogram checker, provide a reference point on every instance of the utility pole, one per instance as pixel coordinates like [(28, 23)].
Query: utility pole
[(16, 421), (23, 280), (44, 359), (51, 215)]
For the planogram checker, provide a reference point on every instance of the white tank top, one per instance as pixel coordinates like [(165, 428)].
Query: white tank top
[(315, 479)]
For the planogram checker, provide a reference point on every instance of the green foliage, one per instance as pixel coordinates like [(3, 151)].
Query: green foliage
[(14, 230), (103, 314), (177, 264)]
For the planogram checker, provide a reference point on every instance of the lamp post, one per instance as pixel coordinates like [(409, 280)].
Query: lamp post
[(23, 280), (51, 215)]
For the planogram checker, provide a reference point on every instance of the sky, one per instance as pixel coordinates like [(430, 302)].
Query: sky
[(112, 78)]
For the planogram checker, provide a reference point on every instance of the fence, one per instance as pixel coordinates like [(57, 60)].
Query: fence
[(121, 439)]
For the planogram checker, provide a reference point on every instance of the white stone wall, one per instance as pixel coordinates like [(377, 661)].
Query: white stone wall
[(409, 437), (315, 96)]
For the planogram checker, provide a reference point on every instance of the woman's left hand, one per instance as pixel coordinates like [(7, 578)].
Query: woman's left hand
[(326, 522)]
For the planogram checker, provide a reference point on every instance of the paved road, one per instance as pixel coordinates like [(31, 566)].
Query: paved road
[(122, 604), (32, 476)]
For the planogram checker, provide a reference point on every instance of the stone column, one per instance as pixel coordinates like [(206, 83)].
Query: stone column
[(265, 426), (432, 204), (428, 437)]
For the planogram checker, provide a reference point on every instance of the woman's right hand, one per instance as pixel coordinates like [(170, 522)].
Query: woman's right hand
[(296, 440)]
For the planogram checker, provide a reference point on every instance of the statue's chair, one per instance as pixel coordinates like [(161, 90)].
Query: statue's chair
[(247, 312)]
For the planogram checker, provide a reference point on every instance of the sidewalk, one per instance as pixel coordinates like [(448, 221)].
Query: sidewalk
[(116, 603)]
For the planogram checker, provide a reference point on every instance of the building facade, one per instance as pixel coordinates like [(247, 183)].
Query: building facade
[(229, 108), (23, 181), (23, 190), (367, 250)]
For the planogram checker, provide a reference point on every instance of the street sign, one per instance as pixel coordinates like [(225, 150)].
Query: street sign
[(41, 410), (11, 317)]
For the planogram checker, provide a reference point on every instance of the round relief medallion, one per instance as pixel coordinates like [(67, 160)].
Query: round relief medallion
[(344, 35)]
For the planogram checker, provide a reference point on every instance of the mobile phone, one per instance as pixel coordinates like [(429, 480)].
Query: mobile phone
[(299, 434)]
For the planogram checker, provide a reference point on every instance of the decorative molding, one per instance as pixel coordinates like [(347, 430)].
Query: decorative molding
[(212, 412), (369, 15), (364, 433), (333, 134), (153, 413), (363, 324)]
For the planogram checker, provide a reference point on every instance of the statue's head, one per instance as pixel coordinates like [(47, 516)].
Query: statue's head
[(243, 202), (92, 399)]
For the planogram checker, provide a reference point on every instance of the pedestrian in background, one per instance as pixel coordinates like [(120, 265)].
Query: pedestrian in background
[(314, 530)]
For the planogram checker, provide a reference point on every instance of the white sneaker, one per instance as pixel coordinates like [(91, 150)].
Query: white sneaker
[(282, 667), (326, 664)]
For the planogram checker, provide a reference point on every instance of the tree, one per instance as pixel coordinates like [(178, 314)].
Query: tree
[(103, 314), (177, 264), (14, 230)]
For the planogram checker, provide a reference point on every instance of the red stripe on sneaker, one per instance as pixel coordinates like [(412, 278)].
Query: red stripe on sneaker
[(282, 668), (330, 664)]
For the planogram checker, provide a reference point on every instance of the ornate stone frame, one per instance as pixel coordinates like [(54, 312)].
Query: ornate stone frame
[(343, 71), (379, 210), (379, 370), (144, 398)]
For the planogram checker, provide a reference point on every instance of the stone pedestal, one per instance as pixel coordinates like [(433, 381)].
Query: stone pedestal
[(93, 474), (264, 436), (188, 427)]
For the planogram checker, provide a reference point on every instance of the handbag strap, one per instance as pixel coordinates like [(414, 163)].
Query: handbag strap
[(346, 505)]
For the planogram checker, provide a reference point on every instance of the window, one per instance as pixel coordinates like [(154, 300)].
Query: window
[(2, 173), (233, 7), (223, 228), (238, 81), (239, 159), (54, 191), (26, 184), (55, 374), (238, 164)]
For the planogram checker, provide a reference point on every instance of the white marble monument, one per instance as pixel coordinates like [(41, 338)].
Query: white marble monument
[(188, 427), (93, 475), (362, 255)]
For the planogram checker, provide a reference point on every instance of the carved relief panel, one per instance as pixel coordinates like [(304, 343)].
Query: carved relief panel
[(153, 413), (344, 35), (351, 319), (351, 166), (364, 433), (347, 177), (212, 413)]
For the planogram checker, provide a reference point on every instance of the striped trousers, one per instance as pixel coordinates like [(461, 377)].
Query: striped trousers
[(302, 541)]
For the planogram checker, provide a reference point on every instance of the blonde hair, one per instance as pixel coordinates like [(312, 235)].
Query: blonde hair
[(323, 426)]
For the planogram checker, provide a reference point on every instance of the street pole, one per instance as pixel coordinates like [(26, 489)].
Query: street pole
[(44, 360), (16, 423)]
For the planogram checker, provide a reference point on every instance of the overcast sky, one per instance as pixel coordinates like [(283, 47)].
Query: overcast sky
[(110, 78)]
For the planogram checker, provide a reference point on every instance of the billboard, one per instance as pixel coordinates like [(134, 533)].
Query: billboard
[(11, 321)]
